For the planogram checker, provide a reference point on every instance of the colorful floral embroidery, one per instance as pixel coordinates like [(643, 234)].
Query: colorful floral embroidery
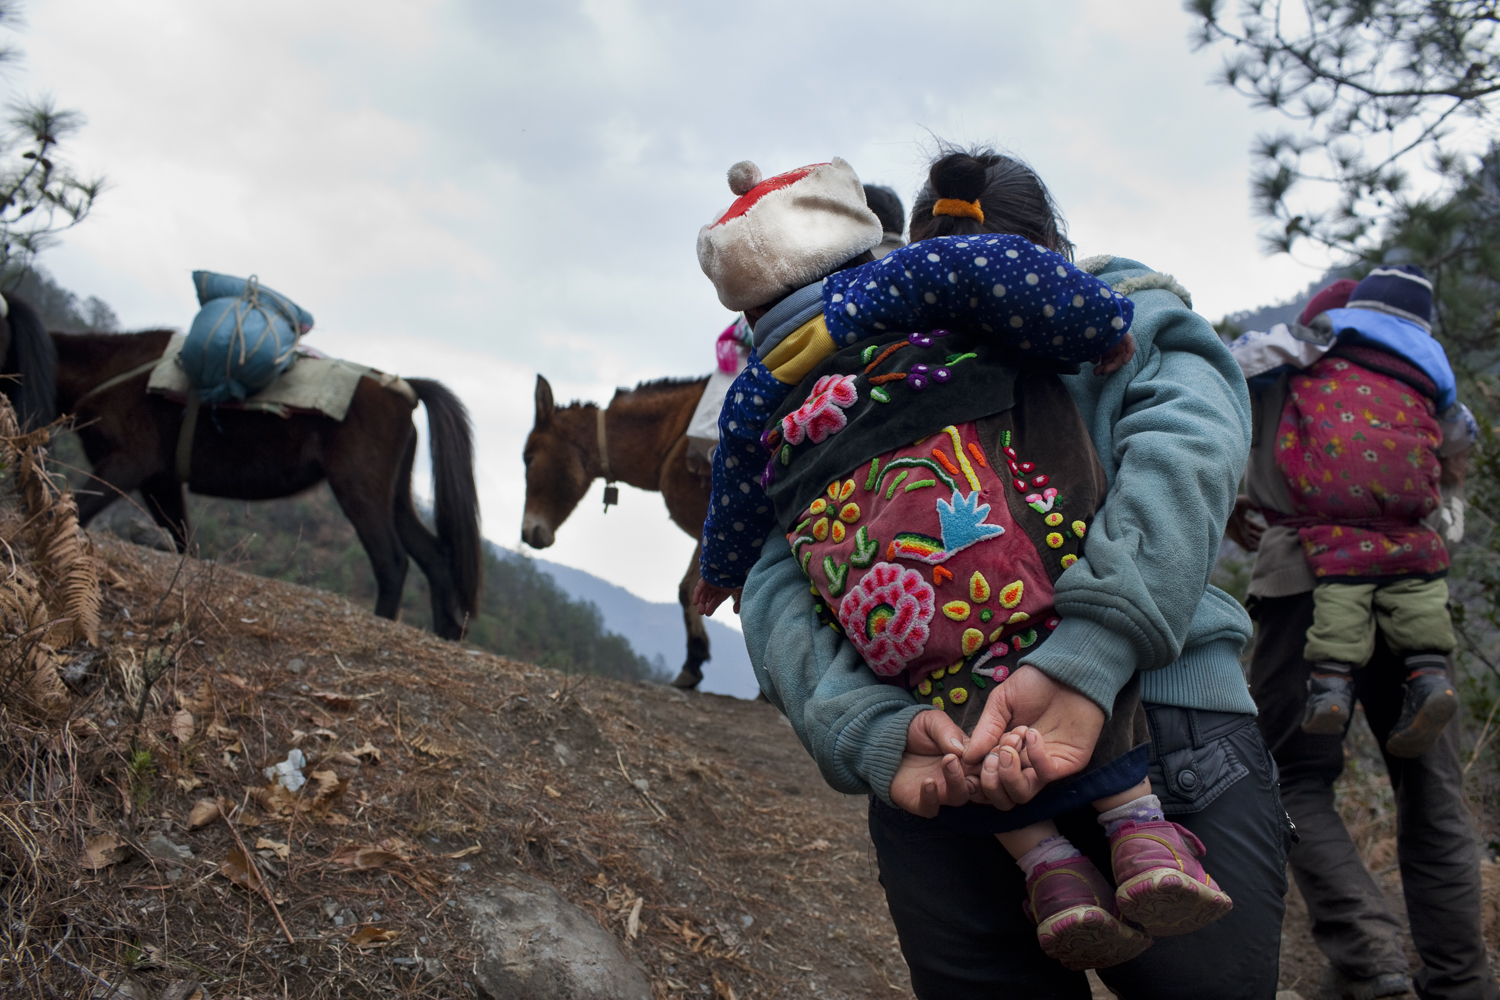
[(837, 574), (886, 616), (1011, 596), (957, 610), (865, 549), (963, 521), (979, 588), (822, 413)]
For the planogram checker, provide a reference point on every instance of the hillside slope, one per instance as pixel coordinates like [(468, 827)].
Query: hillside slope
[(692, 827), (306, 539)]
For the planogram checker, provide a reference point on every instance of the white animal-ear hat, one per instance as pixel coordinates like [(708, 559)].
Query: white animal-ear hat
[(785, 232)]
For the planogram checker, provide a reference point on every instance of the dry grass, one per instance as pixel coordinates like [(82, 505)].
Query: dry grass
[(691, 826)]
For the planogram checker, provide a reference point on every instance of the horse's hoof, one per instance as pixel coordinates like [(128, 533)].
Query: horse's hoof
[(688, 680)]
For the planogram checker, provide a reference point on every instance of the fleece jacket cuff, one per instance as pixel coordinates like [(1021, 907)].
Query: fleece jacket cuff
[(870, 747), (1087, 657)]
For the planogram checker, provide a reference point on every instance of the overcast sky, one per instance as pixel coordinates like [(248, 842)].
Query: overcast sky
[(479, 192)]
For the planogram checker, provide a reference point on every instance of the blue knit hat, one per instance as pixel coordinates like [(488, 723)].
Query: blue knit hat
[(1400, 290)]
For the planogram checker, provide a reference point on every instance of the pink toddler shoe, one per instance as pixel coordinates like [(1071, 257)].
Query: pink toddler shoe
[(1076, 917), (1162, 887)]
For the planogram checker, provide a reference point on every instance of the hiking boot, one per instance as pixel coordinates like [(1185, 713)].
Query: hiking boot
[(1336, 985), (1330, 702), (1429, 703), (1077, 922), (1163, 888)]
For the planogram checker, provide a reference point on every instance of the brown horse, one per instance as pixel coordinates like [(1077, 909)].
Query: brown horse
[(640, 440), (131, 438), (29, 363)]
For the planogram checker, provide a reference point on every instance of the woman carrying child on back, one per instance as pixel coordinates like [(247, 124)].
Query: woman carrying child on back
[(936, 557), (918, 432)]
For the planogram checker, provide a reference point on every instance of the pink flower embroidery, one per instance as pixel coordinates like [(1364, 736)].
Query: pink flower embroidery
[(886, 614), (822, 413)]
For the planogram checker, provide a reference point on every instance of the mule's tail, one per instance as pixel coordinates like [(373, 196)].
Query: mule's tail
[(33, 356), (455, 500)]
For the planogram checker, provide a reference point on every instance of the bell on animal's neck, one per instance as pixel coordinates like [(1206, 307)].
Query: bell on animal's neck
[(611, 496)]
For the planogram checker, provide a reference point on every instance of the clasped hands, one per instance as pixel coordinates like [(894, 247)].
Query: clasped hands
[(1033, 730)]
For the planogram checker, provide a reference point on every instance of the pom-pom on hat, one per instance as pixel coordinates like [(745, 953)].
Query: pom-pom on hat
[(1335, 296), (785, 232), (1400, 290)]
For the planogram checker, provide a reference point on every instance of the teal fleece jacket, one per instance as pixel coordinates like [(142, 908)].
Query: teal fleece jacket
[(1172, 429)]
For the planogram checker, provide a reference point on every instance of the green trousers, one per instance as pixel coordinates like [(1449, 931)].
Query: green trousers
[(1411, 614)]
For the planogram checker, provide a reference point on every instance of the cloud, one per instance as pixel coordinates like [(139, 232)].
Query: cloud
[(479, 192)]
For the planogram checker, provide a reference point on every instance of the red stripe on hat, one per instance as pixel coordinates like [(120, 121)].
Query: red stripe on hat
[(747, 201), (1335, 296)]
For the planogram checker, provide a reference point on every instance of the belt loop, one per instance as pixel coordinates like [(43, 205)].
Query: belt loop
[(1197, 734), (1152, 732)]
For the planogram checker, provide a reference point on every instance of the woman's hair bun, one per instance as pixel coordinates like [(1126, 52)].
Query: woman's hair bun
[(959, 176)]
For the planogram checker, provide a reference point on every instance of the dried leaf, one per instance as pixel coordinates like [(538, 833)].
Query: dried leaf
[(430, 746), (368, 750), (219, 732), (334, 700), (633, 923), (240, 870), (722, 990), (327, 734), (552, 793), (324, 787), (468, 851), (235, 747), (205, 811), (103, 851), (373, 937), (183, 989), (276, 847), (347, 759), (182, 725), (276, 799), (200, 702), (190, 784), (366, 856)]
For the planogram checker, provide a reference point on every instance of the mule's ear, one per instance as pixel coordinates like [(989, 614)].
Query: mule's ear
[(544, 404)]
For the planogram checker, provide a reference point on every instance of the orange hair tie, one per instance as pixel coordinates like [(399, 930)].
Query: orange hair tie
[(964, 209)]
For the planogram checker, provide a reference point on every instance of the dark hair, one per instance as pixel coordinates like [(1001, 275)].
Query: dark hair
[(1012, 196), (886, 205)]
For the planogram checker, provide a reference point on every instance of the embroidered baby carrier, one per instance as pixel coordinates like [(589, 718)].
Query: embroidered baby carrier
[(933, 492), (1357, 445)]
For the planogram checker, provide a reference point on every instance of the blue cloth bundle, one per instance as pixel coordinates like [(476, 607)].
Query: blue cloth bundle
[(241, 339)]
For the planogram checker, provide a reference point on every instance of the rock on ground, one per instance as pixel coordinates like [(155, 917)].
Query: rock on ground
[(535, 945)]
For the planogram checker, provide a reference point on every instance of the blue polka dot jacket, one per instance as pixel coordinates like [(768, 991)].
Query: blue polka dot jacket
[(1032, 299)]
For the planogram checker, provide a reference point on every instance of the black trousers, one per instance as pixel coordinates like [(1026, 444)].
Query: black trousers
[(956, 897), (1435, 844)]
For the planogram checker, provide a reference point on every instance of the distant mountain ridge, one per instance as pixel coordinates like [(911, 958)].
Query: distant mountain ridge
[(655, 630)]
